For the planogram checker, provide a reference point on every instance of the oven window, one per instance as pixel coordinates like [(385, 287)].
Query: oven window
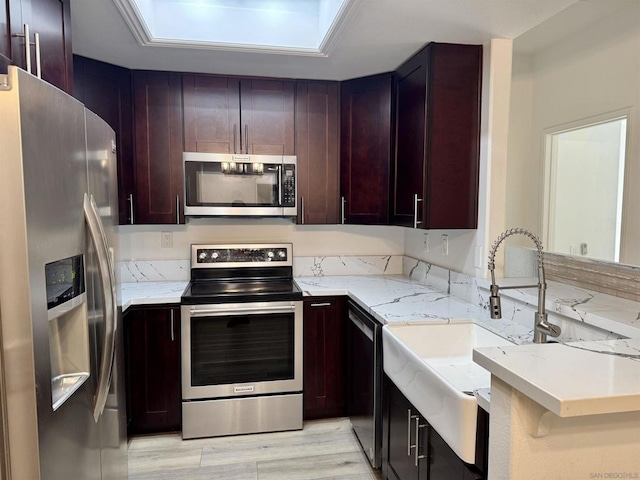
[(242, 349), (230, 184)]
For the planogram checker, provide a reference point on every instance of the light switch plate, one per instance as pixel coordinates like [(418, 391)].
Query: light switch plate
[(166, 239)]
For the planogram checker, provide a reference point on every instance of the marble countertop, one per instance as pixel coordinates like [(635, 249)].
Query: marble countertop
[(601, 310), (398, 299), (150, 293), (571, 379)]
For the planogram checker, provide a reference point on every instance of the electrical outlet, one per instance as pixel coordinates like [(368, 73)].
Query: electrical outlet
[(425, 242), (166, 239), (445, 244)]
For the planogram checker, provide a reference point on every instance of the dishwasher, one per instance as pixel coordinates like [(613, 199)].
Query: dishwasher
[(364, 392)]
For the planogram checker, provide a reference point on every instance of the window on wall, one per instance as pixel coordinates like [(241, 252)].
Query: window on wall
[(585, 171)]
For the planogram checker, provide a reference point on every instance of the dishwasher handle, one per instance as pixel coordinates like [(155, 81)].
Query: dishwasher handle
[(363, 327)]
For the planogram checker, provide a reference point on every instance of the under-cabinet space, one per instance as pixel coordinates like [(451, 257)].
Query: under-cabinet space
[(152, 365), (325, 327)]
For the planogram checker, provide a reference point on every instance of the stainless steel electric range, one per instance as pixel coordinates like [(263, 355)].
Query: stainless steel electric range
[(241, 324)]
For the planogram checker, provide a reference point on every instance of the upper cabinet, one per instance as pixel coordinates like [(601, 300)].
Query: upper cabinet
[(49, 25), (365, 145), (106, 90), (317, 149), (243, 116), (437, 138), (158, 192)]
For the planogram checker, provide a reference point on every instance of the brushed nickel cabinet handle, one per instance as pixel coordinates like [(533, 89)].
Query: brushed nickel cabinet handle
[(177, 209), (131, 208), (417, 455), (172, 335), (36, 37), (416, 200), (342, 203), (325, 304)]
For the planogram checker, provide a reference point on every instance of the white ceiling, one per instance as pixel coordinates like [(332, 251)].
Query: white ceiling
[(378, 37)]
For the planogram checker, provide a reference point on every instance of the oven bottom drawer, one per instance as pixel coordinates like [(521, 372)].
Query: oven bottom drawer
[(234, 416)]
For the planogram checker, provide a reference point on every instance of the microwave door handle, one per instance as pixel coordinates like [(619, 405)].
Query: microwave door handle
[(280, 202), (235, 137)]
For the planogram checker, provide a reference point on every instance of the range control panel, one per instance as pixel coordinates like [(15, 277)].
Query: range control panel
[(212, 256)]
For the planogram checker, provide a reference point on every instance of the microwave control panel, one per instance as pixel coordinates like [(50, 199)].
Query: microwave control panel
[(288, 185)]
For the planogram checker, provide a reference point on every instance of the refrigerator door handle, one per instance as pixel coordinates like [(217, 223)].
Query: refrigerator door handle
[(107, 276)]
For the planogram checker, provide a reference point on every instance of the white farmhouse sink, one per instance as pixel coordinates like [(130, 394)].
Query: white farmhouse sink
[(432, 366)]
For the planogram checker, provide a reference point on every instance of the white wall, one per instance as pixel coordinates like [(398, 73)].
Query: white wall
[(141, 242), (594, 71)]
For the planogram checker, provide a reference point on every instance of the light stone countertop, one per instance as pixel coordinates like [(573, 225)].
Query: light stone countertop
[(571, 379), (150, 293), (604, 379), (398, 299)]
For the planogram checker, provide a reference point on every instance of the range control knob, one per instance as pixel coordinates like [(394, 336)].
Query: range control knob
[(202, 255), (282, 254), (270, 254), (214, 255)]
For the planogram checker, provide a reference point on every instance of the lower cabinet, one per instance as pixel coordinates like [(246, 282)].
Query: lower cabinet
[(152, 362), (324, 357), (413, 450)]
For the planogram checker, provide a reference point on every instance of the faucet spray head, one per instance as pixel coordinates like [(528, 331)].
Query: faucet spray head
[(494, 303)]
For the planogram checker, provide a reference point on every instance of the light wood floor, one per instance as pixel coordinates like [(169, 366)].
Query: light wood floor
[(324, 449)]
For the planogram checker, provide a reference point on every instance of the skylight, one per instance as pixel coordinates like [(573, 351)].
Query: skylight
[(282, 26)]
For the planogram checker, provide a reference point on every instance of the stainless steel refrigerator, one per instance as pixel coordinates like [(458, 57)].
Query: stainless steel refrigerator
[(62, 412)]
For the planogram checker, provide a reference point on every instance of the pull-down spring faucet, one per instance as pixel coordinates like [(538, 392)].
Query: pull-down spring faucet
[(542, 327)]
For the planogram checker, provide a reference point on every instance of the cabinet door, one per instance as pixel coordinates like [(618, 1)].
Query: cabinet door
[(11, 48), (365, 146), (453, 145), (211, 114), (324, 357), (401, 435), (158, 148), (410, 87), (317, 151), (51, 19), (267, 116), (152, 349), (106, 90)]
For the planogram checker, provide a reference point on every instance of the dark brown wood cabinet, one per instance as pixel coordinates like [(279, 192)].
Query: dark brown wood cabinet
[(413, 450), (365, 146), (152, 365), (158, 192), (238, 115), (317, 149), (10, 25), (106, 90), (325, 323), (51, 20), (437, 138)]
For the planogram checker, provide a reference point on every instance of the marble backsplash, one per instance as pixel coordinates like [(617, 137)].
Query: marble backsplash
[(177, 270), (582, 314)]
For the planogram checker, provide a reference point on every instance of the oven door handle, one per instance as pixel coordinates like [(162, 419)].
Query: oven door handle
[(216, 312)]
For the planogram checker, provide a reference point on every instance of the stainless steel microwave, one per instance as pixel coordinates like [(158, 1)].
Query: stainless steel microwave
[(239, 185)]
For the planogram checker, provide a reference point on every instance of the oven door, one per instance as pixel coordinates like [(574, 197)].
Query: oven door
[(241, 349), (239, 185)]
